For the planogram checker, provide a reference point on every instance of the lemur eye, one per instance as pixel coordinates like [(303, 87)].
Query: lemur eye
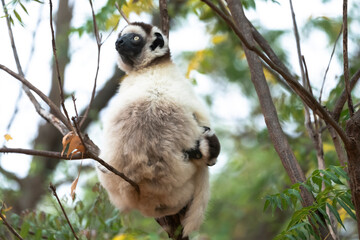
[(136, 38)]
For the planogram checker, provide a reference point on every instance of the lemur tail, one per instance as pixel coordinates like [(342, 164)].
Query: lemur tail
[(196, 210)]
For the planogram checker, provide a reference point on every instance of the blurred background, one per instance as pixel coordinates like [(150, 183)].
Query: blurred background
[(210, 56)]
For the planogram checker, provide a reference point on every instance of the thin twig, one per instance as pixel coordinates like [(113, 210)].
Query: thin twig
[(16, 56), (98, 42), (164, 17), (279, 67), (39, 109), (53, 189), (328, 66), (343, 97), (11, 229), (75, 108), (59, 123), (62, 101), (43, 153), (346, 59), (78, 156), (298, 47), (122, 13)]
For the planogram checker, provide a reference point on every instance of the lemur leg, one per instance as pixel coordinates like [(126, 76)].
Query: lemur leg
[(207, 148)]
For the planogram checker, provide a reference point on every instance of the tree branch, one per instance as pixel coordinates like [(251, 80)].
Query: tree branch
[(53, 189), (62, 100), (11, 229), (275, 131), (47, 116), (122, 13), (298, 47), (346, 59), (164, 17), (98, 42), (328, 66), (274, 62), (58, 121), (342, 99)]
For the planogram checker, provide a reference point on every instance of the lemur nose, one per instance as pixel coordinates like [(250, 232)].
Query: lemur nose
[(119, 41)]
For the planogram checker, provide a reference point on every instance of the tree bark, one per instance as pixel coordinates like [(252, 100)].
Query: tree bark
[(353, 153), (276, 133)]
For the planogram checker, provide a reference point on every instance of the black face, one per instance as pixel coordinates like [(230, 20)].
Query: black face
[(129, 46)]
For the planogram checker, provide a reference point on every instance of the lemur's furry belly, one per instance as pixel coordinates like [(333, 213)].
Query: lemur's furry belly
[(154, 134)]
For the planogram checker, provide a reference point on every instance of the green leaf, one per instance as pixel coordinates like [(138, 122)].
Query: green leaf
[(332, 176), (290, 236), (336, 214), (23, 7), (347, 199), (325, 215), (299, 225), (340, 171), (318, 219), (266, 205), (25, 229), (295, 193), (347, 209), (17, 16)]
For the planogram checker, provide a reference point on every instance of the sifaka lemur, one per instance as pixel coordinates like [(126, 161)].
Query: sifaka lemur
[(157, 133)]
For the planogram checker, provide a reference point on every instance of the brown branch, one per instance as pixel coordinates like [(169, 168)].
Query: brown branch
[(298, 47), (342, 99), (53, 189), (98, 42), (62, 101), (47, 116), (42, 153), (57, 121), (277, 136), (164, 17), (75, 108), (122, 13), (276, 64), (11, 229), (346, 59), (328, 66), (79, 156)]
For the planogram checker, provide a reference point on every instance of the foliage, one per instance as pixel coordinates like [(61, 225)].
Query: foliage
[(253, 168), (330, 191), (13, 10), (95, 219)]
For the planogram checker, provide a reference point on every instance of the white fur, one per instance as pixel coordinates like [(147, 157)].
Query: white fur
[(181, 181)]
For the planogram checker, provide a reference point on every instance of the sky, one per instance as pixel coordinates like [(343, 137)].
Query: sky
[(81, 70)]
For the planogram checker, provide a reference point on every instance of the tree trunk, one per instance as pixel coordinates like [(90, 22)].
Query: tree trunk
[(353, 153), (277, 136)]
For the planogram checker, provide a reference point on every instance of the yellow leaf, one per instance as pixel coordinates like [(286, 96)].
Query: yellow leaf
[(123, 237), (269, 76), (218, 39), (7, 137), (112, 21), (195, 62), (137, 7)]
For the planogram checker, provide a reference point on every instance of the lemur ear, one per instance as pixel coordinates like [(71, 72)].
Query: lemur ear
[(159, 41)]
